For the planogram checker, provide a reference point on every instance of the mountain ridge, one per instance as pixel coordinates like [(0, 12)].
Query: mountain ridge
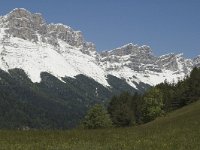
[(59, 46)]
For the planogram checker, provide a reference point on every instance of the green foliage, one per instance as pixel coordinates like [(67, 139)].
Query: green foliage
[(50, 104), (121, 110), (167, 91), (178, 130), (97, 117), (182, 93), (138, 104), (127, 110), (53, 104), (194, 84), (153, 104)]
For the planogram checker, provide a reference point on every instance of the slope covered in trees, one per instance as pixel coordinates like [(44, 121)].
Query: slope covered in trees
[(178, 130), (126, 109), (52, 103), (182, 93), (56, 104)]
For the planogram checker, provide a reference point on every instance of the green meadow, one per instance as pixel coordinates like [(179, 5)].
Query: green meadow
[(179, 130)]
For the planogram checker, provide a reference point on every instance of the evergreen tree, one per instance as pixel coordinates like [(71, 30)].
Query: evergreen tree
[(121, 110), (194, 84), (137, 107)]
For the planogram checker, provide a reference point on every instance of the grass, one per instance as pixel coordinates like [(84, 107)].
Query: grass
[(179, 130)]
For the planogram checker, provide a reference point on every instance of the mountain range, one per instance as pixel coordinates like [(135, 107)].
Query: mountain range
[(49, 74)]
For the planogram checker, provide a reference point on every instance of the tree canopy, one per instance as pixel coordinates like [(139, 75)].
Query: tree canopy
[(97, 117)]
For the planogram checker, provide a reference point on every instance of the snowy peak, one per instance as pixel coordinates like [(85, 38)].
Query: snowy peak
[(137, 58), (23, 14), (128, 49), (29, 43), (175, 62), (137, 64), (23, 24)]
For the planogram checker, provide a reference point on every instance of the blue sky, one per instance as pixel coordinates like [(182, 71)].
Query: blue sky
[(165, 25)]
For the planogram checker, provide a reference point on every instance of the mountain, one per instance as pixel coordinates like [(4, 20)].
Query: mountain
[(137, 64), (29, 43), (49, 74)]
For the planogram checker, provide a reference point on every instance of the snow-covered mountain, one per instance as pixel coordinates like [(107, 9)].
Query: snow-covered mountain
[(137, 64), (29, 43)]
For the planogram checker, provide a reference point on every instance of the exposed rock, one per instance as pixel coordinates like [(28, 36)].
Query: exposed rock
[(138, 58), (23, 24), (197, 61), (60, 50), (175, 62)]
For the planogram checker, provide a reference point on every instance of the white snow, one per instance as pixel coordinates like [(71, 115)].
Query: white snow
[(69, 61), (35, 58), (150, 78)]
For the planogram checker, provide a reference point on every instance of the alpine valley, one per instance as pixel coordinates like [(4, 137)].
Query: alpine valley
[(50, 76)]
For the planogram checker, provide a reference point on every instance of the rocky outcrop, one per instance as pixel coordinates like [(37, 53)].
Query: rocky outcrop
[(128, 49), (67, 48), (138, 58), (23, 24), (141, 59), (175, 62), (197, 61)]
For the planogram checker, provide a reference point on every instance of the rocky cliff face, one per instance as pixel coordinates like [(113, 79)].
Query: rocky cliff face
[(141, 59), (197, 61), (29, 43), (137, 63), (137, 58), (175, 62), (23, 24)]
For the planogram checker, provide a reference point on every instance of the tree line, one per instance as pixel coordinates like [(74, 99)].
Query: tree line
[(128, 110)]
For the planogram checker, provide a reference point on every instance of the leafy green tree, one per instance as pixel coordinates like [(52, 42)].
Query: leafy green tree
[(152, 104), (168, 92), (97, 117), (121, 110)]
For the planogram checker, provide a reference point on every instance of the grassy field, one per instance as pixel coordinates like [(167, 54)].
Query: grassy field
[(179, 130)]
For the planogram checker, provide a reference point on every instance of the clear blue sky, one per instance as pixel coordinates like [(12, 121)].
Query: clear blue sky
[(165, 25)]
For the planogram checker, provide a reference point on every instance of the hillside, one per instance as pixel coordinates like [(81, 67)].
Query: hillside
[(50, 104), (177, 130)]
